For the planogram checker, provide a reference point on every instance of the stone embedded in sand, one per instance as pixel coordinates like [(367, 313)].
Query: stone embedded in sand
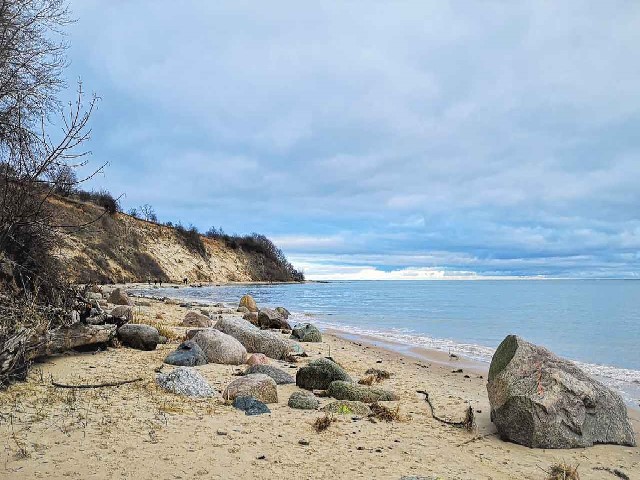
[(258, 359), (341, 390), (306, 332), (250, 406), (185, 381), (119, 297), (142, 337), (256, 340), (220, 347), (281, 377), (542, 401), (124, 312), (268, 318), (249, 303), (196, 319), (303, 401), (347, 407), (259, 386), (188, 354), (319, 374)]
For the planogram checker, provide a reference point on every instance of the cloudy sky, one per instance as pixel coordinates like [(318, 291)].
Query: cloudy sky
[(416, 139)]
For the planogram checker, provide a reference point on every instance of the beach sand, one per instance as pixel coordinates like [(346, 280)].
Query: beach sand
[(139, 431)]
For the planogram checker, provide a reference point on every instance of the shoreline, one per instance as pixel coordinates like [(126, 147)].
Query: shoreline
[(114, 432)]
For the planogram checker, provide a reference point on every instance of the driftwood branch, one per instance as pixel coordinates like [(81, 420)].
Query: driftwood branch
[(96, 385), (468, 422)]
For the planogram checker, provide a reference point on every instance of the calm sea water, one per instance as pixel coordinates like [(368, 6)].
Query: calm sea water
[(593, 322)]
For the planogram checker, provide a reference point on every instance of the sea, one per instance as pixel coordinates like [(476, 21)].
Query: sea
[(595, 323)]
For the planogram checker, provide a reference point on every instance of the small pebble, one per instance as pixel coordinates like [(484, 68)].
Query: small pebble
[(303, 441), (262, 457), (221, 432)]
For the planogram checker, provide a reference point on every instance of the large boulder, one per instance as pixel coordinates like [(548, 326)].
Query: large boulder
[(220, 347), (268, 318), (119, 297), (306, 332), (303, 401), (341, 390), (259, 386), (252, 318), (188, 354), (542, 401), (196, 319), (123, 312), (257, 359), (256, 340), (142, 337), (279, 376), (185, 381), (319, 374), (249, 303), (284, 312)]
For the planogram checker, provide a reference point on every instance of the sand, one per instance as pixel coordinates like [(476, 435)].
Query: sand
[(139, 431)]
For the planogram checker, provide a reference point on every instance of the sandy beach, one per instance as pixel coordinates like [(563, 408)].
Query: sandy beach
[(139, 431)]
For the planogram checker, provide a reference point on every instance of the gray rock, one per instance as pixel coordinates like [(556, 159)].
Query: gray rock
[(250, 406), (248, 302), (284, 312), (259, 386), (242, 309), (319, 374), (124, 312), (268, 318), (119, 297), (139, 336), (188, 354), (341, 390), (303, 401), (254, 339), (542, 401), (306, 332), (252, 318), (185, 381), (220, 347), (196, 319), (93, 296), (280, 377)]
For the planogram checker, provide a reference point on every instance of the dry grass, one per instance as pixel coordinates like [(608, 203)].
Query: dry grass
[(563, 471), (386, 414), (165, 330), (469, 423), (322, 423), (378, 375)]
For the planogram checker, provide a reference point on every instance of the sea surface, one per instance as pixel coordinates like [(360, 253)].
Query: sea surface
[(593, 322)]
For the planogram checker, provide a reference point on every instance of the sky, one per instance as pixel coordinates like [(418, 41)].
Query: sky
[(373, 139)]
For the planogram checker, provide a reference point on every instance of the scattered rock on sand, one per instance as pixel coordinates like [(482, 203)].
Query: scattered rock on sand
[(347, 407), (124, 312), (220, 347), (258, 359), (249, 303), (319, 374), (188, 354), (281, 377), (341, 390), (284, 312), (185, 381), (306, 332), (119, 297), (542, 401), (142, 337), (268, 318), (250, 406), (259, 386), (196, 319), (303, 401), (254, 339)]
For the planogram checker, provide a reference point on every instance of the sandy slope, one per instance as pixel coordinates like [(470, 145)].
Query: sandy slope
[(138, 431)]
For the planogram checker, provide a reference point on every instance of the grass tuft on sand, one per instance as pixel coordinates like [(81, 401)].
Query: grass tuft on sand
[(563, 471), (323, 423)]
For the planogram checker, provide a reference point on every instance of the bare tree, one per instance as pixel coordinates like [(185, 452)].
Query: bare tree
[(148, 213)]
